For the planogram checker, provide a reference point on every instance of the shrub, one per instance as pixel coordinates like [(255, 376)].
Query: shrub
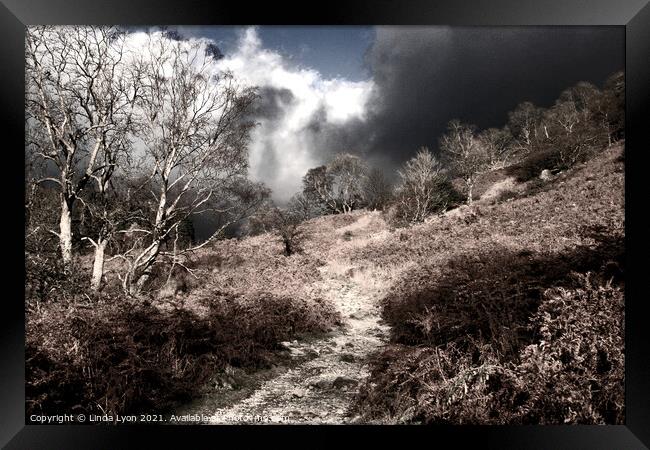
[(123, 357), (573, 373), (531, 166), (505, 196), (429, 385), (46, 280), (474, 294), (470, 298)]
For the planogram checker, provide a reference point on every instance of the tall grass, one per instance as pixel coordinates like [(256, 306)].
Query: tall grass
[(510, 313)]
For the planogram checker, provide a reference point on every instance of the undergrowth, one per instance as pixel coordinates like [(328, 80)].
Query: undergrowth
[(510, 313), (124, 356)]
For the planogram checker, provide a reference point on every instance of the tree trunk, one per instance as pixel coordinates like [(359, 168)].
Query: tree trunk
[(65, 232), (142, 280), (287, 247), (136, 278), (98, 265), (470, 186)]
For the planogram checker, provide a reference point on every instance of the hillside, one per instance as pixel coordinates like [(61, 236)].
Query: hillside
[(495, 259), (446, 321), (228, 237), (492, 319)]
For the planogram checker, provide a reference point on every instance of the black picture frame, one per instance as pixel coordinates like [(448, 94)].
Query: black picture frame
[(634, 15)]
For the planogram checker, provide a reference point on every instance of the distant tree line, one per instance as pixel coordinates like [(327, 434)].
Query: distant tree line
[(582, 120)]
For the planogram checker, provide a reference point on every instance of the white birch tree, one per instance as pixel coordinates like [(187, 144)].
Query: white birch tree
[(194, 143), (423, 187), (80, 105), (463, 153)]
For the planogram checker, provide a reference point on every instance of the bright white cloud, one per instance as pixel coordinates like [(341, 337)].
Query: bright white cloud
[(289, 139)]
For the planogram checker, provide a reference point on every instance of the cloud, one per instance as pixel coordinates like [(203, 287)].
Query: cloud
[(426, 76), (298, 114), (420, 78)]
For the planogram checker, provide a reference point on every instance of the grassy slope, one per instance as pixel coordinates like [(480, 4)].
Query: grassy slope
[(464, 274), (475, 295)]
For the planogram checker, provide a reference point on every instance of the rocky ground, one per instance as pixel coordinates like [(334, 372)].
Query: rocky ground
[(318, 376)]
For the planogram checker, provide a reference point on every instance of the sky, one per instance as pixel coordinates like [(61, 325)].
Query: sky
[(383, 92), (335, 51)]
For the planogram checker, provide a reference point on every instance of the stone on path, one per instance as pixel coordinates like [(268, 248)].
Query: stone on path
[(342, 382)]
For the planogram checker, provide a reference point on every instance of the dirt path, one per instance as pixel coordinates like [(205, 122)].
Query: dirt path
[(326, 373)]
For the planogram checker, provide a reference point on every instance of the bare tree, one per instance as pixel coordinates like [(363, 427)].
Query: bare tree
[(576, 124), (79, 109), (376, 189), (318, 186), (424, 187), (464, 154), (525, 124), (347, 172), (287, 223), (497, 145), (194, 141), (613, 106), (305, 207), (103, 215), (338, 185)]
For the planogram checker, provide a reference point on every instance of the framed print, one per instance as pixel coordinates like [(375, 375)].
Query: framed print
[(406, 218)]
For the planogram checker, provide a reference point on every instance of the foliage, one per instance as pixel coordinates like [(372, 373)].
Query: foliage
[(581, 351), (507, 314), (573, 373), (424, 188), (125, 357)]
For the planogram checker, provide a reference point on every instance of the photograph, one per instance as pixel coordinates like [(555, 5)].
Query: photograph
[(324, 225)]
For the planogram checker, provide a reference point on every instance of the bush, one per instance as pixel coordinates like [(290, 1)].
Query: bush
[(122, 357), (46, 280), (469, 298), (573, 373), (473, 295), (580, 356), (505, 196), (532, 165), (428, 385)]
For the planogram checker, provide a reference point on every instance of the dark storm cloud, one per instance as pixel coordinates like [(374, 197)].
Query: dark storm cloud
[(272, 103), (426, 76), (328, 138)]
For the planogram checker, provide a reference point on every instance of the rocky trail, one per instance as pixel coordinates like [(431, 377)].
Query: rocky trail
[(317, 382)]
